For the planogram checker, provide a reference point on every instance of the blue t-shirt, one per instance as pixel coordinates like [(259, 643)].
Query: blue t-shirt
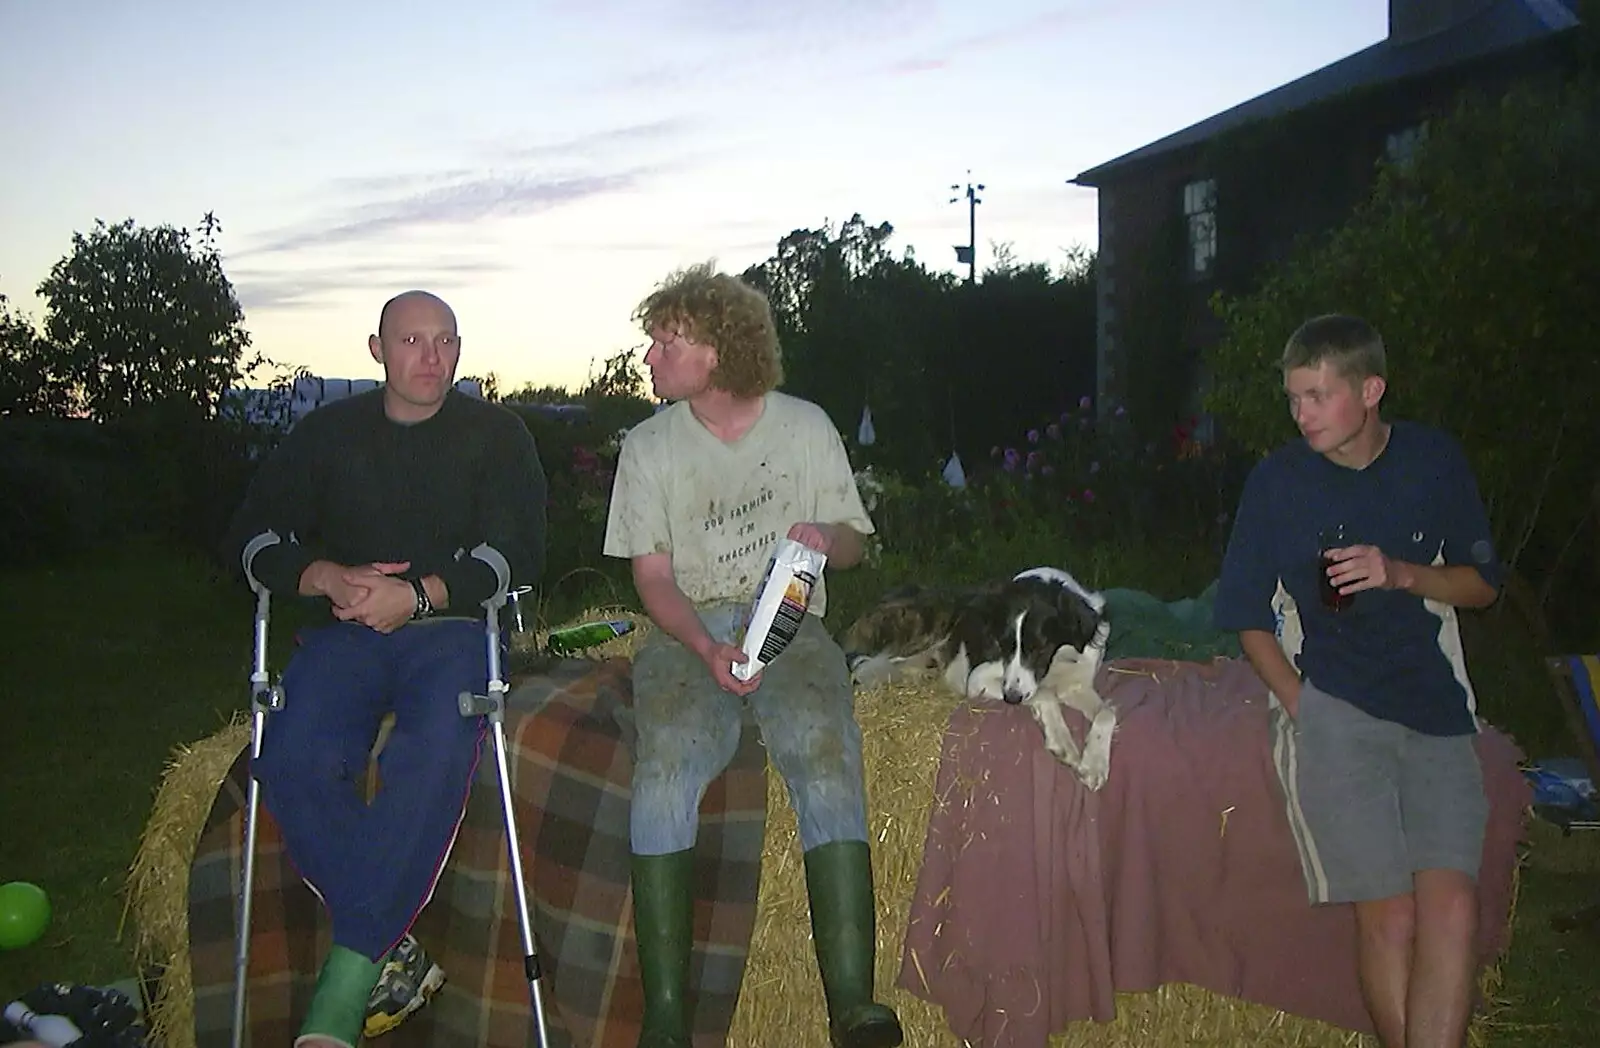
[(1387, 652)]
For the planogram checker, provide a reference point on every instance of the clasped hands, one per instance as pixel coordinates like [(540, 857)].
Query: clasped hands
[(370, 594)]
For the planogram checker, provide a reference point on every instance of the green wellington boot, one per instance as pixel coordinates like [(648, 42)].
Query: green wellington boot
[(844, 927), (339, 1005), (663, 924)]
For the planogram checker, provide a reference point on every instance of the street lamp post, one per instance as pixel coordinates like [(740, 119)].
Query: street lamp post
[(968, 253)]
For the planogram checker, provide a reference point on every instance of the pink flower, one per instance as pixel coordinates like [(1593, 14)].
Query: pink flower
[(1033, 436), (1088, 496), (1084, 402)]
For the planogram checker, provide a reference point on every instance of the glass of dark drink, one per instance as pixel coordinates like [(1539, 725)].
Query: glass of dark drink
[(1332, 538)]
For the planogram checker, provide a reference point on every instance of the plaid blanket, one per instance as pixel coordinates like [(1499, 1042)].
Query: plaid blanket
[(568, 744)]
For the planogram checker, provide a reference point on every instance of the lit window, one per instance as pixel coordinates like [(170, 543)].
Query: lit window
[(1400, 147), (1200, 215)]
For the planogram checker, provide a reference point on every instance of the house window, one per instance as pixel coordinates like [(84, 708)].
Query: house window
[(1400, 147), (1200, 216)]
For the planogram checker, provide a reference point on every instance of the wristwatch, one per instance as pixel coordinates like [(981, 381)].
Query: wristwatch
[(424, 605)]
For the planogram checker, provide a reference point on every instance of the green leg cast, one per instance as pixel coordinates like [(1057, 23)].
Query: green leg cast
[(663, 921), (844, 928), (339, 1007)]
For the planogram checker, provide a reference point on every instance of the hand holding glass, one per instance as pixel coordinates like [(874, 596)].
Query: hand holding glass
[(1329, 539)]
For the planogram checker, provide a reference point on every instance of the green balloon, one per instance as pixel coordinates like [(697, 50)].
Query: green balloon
[(24, 912)]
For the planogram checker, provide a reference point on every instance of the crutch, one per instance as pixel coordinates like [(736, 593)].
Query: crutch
[(265, 697), (493, 705)]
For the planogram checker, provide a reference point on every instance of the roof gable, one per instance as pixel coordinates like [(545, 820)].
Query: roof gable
[(1501, 25)]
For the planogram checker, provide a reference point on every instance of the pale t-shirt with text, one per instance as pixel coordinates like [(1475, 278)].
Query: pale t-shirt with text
[(720, 507)]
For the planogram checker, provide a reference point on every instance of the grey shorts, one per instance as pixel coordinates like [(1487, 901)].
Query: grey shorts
[(1371, 802)]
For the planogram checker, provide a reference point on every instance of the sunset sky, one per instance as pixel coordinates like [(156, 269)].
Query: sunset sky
[(543, 164)]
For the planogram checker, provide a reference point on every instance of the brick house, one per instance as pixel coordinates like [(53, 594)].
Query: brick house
[(1209, 207)]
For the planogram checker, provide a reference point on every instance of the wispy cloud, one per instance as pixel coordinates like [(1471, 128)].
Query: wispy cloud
[(712, 44), (598, 144), (300, 288), (506, 151), (458, 202), (742, 246), (516, 178), (385, 185), (1045, 24), (789, 18)]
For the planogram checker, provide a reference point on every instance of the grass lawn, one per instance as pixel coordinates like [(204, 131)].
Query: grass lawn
[(113, 660)]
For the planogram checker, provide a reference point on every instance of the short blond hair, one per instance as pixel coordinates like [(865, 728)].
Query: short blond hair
[(721, 311), (1351, 345)]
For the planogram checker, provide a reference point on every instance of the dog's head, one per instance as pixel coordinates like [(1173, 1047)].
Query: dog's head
[(1042, 624)]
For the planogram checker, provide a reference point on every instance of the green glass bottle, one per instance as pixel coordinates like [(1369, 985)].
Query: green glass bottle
[(574, 639)]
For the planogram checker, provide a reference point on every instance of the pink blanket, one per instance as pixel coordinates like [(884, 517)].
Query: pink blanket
[(1038, 900)]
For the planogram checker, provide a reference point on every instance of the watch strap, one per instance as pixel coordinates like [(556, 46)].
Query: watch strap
[(424, 603)]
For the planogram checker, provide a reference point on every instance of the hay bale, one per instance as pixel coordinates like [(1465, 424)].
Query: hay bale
[(781, 1000), (158, 881)]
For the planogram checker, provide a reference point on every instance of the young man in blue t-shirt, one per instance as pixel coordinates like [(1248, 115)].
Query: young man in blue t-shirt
[(1356, 638)]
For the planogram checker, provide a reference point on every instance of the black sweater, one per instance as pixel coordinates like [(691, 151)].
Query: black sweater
[(351, 486)]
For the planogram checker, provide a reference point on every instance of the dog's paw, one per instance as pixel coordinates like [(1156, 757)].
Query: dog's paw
[(1094, 767), (1065, 751), (869, 672), (1093, 771)]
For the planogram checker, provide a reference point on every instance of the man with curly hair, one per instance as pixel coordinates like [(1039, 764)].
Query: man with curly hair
[(703, 492)]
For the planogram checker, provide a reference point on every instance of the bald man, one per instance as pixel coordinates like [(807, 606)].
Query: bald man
[(377, 498)]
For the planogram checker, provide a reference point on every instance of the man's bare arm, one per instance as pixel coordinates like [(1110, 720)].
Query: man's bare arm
[(666, 604), (1273, 667), (670, 610), (1358, 568), (848, 546), (1459, 585), (840, 543)]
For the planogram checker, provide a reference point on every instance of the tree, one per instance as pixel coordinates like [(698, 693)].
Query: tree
[(944, 365), (25, 385), (859, 327), (1027, 344), (619, 377), (528, 393), (1477, 261), (142, 318), (488, 385)]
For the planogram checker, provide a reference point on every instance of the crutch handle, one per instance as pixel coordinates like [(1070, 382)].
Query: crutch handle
[(502, 574), (253, 547)]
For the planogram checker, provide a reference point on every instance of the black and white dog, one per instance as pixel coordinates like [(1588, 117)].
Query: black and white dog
[(1037, 640)]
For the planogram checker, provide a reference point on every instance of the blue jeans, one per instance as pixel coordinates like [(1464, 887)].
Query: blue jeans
[(374, 866), (689, 730)]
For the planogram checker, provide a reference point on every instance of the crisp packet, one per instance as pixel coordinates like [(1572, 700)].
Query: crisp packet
[(780, 604)]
